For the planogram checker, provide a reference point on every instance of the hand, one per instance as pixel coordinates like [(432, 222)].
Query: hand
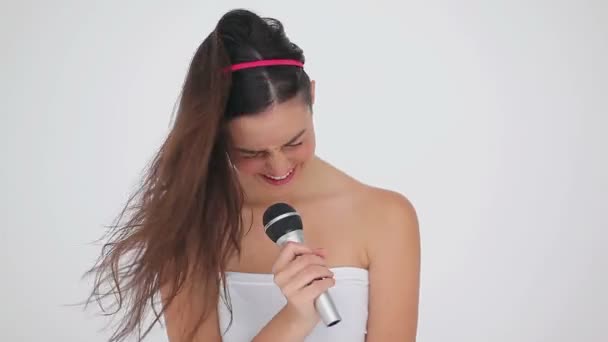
[(302, 275)]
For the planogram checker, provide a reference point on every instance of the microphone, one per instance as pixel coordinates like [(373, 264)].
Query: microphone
[(282, 224)]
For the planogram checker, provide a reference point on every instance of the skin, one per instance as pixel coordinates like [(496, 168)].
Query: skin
[(347, 223)]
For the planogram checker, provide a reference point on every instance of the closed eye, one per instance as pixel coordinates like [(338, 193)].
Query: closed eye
[(252, 155), (294, 144)]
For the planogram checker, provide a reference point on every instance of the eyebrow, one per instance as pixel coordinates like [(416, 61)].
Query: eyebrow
[(291, 141)]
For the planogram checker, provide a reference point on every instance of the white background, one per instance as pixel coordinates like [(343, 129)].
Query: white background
[(489, 115)]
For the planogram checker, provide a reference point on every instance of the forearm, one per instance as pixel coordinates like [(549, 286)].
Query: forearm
[(282, 328)]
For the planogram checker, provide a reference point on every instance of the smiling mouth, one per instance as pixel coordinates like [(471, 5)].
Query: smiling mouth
[(279, 180), (280, 177)]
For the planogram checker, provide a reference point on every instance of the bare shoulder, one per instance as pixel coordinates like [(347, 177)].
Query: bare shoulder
[(381, 212), (389, 219), (388, 206), (384, 221), (393, 250), (385, 225)]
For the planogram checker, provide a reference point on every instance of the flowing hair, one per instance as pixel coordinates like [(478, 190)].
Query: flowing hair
[(184, 221)]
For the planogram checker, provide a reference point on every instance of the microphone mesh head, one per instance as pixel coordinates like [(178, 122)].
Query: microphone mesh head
[(283, 224), (276, 210)]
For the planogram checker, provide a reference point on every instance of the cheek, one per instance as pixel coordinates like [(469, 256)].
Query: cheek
[(249, 166), (304, 153)]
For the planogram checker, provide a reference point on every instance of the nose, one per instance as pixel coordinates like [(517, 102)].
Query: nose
[(278, 164)]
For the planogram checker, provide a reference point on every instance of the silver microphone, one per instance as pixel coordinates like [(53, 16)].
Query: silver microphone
[(282, 224)]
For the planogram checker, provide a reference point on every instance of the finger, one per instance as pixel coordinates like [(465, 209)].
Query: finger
[(315, 289), (307, 277), (288, 252), (321, 252), (296, 266)]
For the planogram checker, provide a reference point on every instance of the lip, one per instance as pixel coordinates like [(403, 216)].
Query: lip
[(280, 181)]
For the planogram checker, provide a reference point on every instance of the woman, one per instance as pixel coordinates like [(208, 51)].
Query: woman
[(244, 139)]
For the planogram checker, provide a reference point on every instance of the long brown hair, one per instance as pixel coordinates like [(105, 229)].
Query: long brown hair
[(184, 220)]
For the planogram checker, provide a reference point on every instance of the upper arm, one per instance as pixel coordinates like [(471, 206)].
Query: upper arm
[(185, 311), (394, 266)]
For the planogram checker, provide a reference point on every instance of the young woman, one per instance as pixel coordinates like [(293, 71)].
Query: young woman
[(244, 139)]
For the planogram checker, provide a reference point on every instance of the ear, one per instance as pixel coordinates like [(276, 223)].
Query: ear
[(312, 91)]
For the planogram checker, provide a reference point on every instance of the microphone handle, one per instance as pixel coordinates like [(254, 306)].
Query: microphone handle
[(324, 304)]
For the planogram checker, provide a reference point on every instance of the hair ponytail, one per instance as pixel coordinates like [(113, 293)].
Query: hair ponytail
[(184, 220)]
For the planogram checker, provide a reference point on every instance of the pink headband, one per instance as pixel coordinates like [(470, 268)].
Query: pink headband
[(267, 62)]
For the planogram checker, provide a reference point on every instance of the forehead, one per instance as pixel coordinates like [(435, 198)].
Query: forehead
[(273, 127)]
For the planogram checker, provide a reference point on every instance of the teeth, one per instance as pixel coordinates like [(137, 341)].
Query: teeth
[(280, 178)]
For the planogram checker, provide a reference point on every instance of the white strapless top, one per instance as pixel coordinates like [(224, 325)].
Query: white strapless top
[(255, 299)]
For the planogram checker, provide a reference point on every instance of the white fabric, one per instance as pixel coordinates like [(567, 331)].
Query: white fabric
[(255, 299)]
